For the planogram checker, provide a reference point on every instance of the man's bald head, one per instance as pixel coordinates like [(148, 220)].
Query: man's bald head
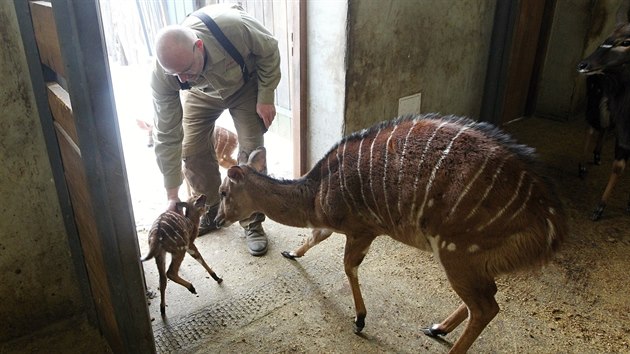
[(174, 47)]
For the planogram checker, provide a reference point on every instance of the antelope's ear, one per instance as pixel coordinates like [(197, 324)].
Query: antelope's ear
[(258, 159), (200, 201), (235, 174)]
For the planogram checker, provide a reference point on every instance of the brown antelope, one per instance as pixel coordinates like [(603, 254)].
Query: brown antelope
[(225, 142), (175, 233), (611, 62), (460, 189)]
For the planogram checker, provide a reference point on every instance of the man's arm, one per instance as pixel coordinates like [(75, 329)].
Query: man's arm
[(265, 48), (168, 132)]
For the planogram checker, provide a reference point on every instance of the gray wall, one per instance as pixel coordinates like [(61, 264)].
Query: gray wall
[(326, 38), (38, 280), (387, 50), (398, 48)]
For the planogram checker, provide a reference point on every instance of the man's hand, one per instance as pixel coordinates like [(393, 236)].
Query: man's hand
[(172, 195), (266, 112)]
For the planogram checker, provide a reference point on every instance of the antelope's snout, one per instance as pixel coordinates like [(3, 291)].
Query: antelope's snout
[(583, 67), (221, 220)]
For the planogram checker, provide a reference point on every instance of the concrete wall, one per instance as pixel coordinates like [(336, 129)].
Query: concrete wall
[(38, 280), (398, 48), (326, 38)]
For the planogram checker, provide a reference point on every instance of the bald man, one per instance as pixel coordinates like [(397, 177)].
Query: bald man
[(189, 54)]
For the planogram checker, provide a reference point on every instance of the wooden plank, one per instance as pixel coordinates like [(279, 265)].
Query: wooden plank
[(522, 57), (61, 109), (92, 248), (46, 36)]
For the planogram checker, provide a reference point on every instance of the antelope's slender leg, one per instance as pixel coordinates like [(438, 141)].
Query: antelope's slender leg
[(160, 262), (477, 292), (173, 271), (449, 324), (355, 251), (617, 170), (317, 236), (194, 252)]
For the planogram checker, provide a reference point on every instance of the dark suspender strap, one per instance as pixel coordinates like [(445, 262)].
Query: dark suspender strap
[(183, 85), (225, 42)]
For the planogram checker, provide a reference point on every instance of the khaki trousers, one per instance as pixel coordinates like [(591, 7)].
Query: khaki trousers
[(200, 166)]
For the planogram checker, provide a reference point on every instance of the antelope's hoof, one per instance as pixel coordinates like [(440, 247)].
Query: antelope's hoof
[(597, 213), (216, 278), (288, 255), (163, 310), (359, 324), (581, 171), (433, 331), (192, 289), (597, 158)]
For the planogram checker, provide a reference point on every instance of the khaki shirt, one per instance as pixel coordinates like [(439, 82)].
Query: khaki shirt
[(221, 78)]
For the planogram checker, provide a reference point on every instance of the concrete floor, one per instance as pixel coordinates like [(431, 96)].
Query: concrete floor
[(577, 304)]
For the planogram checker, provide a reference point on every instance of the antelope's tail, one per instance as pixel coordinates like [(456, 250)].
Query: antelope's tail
[(153, 251)]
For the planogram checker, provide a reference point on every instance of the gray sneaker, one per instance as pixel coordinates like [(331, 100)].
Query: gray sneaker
[(256, 240)]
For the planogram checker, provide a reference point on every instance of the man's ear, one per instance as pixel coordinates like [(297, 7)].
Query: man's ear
[(258, 159), (235, 174)]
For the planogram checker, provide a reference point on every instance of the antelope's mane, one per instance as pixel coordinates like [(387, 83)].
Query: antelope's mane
[(489, 130)]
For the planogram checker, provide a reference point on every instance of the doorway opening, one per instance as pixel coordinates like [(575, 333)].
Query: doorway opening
[(130, 28)]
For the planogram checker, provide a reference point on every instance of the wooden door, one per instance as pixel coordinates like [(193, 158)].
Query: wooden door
[(519, 38), (81, 111)]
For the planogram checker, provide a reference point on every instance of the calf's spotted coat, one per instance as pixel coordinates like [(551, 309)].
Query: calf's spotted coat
[(175, 232)]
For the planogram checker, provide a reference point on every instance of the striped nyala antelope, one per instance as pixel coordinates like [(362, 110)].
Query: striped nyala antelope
[(609, 68), (175, 232), (458, 188)]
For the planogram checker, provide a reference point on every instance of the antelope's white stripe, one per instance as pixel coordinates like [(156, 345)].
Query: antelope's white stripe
[(389, 138), (340, 173), (500, 213), (361, 184), (321, 190), (378, 210), (345, 178), (473, 211), (424, 152), (524, 203), (471, 182), (329, 186), (400, 165), (552, 233), (437, 167), (434, 241)]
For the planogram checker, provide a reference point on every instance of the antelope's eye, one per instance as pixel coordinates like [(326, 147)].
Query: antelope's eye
[(625, 43), (222, 194)]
